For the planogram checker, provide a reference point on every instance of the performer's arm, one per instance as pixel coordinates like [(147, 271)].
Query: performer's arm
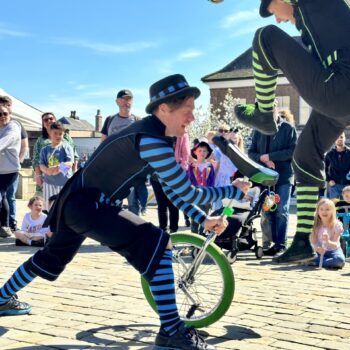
[(174, 179)]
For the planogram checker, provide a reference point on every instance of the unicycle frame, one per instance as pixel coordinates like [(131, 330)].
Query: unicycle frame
[(189, 274)]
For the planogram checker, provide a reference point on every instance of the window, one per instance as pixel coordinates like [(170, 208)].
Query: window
[(304, 111), (283, 102)]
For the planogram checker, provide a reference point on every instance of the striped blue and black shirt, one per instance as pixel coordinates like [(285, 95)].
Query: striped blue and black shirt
[(175, 182)]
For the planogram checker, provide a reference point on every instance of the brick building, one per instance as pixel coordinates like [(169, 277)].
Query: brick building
[(238, 76)]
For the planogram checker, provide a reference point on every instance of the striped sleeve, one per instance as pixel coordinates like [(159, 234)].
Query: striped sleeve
[(175, 182)]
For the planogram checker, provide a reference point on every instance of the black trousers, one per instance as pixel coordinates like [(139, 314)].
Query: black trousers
[(140, 242), (165, 205), (6, 180), (326, 90)]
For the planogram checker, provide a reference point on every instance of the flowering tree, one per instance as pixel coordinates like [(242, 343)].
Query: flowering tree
[(211, 119)]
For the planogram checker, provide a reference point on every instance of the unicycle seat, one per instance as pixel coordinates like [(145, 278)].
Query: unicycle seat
[(254, 171)]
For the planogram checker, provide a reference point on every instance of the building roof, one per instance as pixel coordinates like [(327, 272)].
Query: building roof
[(240, 68), (76, 124), (27, 115)]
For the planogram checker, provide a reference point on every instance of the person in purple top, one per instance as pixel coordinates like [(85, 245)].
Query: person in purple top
[(201, 173)]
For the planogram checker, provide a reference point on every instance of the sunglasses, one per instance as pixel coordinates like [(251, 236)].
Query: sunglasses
[(48, 119), (4, 114), (223, 130)]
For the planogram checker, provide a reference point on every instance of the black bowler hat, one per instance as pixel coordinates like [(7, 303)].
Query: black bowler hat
[(168, 89), (263, 8), (201, 144)]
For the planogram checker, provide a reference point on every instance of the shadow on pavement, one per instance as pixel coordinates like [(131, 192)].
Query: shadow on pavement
[(3, 331), (132, 335)]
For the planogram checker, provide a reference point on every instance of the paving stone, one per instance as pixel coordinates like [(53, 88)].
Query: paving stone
[(97, 303), (335, 345)]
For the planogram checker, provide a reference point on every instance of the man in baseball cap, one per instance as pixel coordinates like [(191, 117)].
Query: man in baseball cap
[(124, 93)]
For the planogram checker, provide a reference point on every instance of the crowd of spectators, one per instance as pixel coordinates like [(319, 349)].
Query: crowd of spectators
[(55, 160)]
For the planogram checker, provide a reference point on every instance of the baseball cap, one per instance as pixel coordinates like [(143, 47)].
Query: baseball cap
[(123, 93)]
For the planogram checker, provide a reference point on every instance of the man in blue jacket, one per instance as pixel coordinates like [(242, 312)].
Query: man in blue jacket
[(321, 75)]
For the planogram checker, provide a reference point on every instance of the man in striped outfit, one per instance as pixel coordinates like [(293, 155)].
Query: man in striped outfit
[(88, 206), (321, 75)]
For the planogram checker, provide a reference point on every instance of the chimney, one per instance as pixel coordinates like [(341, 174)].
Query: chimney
[(98, 121), (73, 115)]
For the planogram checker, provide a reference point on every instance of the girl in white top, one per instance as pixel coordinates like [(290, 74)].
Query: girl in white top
[(32, 231), (325, 235)]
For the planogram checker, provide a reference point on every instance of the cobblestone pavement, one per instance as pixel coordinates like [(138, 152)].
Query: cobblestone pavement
[(97, 303)]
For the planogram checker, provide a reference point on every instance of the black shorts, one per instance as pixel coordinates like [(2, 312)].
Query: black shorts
[(140, 242)]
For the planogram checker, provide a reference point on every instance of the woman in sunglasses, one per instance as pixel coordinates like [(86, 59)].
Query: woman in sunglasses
[(10, 145), (47, 119)]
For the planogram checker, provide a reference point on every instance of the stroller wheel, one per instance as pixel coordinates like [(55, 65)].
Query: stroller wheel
[(194, 252), (259, 252), (231, 256)]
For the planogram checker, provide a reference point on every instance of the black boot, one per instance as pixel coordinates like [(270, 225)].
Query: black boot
[(250, 115), (300, 251), (186, 338)]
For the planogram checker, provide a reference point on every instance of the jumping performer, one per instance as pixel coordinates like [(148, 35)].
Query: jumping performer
[(87, 206), (321, 75)]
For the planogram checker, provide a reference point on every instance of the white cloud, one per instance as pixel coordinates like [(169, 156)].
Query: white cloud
[(240, 17), (14, 33), (105, 47), (189, 54), (81, 87), (166, 66), (243, 31)]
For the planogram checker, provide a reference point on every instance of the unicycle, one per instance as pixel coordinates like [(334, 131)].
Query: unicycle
[(204, 280)]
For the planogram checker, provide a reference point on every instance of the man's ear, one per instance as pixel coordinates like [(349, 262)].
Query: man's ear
[(164, 108)]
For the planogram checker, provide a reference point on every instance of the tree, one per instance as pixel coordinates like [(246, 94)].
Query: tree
[(211, 119)]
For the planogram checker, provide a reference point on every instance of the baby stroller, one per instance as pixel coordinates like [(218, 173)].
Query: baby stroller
[(240, 233)]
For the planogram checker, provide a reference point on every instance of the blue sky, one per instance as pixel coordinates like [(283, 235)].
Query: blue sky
[(77, 54)]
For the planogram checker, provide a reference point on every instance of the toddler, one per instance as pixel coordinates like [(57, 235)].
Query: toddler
[(201, 173), (32, 233)]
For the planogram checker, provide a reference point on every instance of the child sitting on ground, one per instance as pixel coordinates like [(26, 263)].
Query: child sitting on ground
[(325, 235), (32, 232)]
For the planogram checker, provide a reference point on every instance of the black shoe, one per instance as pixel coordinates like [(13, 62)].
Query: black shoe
[(172, 230), (19, 243), (250, 115), (13, 226), (14, 307), (299, 251), (272, 251), (186, 338)]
